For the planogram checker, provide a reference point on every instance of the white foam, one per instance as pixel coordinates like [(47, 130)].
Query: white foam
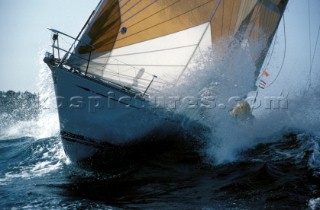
[(314, 203), (48, 158), (213, 76), (46, 123)]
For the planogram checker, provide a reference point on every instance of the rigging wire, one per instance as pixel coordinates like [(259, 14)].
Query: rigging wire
[(314, 53), (284, 53), (310, 70), (315, 49), (272, 51), (282, 63), (251, 30), (312, 56)]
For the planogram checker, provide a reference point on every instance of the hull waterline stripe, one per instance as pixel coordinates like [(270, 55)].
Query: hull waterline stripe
[(86, 141)]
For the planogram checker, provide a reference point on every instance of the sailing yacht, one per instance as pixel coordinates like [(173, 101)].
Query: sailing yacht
[(129, 50)]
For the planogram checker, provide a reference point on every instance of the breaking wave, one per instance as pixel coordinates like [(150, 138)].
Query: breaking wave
[(29, 126), (34, 116), (219, 83)]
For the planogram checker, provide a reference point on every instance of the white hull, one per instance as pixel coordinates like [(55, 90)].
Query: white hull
[(95, 116)]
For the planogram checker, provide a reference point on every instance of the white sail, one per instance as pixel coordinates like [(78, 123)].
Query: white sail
[(160, 36)]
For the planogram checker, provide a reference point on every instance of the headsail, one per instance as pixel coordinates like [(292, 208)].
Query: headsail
[(160, 36)]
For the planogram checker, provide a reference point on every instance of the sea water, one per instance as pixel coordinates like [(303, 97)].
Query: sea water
[(271, 162)]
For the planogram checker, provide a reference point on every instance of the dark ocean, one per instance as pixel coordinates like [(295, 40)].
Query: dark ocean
[(177, 174), (35, 174)]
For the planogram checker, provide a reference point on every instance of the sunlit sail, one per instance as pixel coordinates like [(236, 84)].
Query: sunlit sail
[(126, 36)]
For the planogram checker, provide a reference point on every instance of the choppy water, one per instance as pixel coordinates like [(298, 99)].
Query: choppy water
[(233, 169), (35, 174)]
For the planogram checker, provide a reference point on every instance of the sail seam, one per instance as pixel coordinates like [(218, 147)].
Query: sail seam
[(116, 14), (161, 23), (109, 29), (123, 4), (154, 13), (130, 8), (139, 12)]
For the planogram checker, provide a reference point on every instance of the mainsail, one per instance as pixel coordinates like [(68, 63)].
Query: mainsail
[(131, 40)]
